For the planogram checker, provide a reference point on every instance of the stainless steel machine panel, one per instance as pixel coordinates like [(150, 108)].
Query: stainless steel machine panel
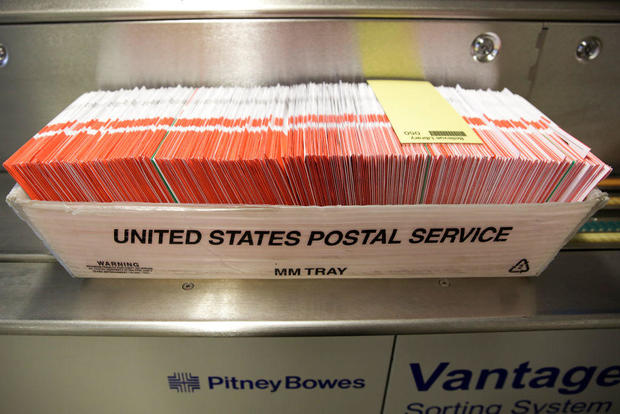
[(581, 96)]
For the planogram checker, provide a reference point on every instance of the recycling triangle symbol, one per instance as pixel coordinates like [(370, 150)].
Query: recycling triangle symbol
[(522, 266)]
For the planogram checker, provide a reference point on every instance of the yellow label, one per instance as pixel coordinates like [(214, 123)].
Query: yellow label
[(420, 115)]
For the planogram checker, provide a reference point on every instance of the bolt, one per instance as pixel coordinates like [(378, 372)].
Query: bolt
[(444, 283), (187, 286), (4, 55), (485, 47), (588, 49)]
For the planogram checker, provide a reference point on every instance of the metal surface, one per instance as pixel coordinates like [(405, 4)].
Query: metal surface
[(16, 237), (582, 97), (579, 290), (39, 82), (20, 11)]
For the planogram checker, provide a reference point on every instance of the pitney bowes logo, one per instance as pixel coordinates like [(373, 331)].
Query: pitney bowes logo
[(183, 382), (186, 382)]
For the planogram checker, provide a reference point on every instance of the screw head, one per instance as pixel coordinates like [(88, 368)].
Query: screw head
[(588, 49), (4, 55), (187, 286), (485, 47), (444, 283)]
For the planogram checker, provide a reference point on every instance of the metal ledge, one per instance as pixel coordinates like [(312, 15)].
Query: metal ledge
[(17, 11), (580, 290)]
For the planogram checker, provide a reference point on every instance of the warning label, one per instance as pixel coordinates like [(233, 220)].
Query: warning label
[(111, 266)]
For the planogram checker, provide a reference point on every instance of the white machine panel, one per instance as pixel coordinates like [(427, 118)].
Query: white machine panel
[(64, 374), (544, 372)]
